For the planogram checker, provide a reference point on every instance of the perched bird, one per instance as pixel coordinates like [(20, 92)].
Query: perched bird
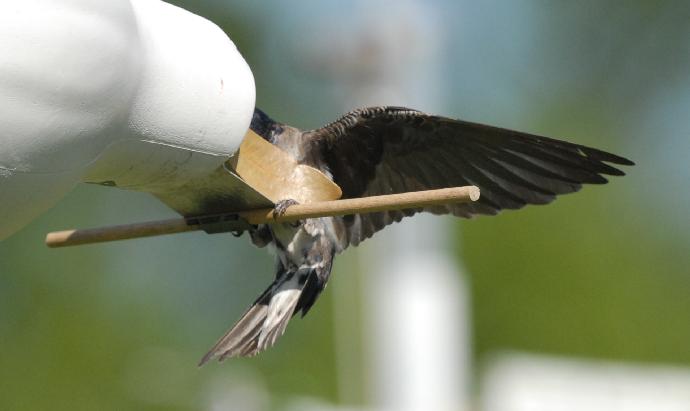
[(384, 150)]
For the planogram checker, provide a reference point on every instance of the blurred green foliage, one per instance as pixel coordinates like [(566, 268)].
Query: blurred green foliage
[(578, 278), (603, 273)]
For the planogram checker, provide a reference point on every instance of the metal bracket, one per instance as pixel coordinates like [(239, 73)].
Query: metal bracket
[(219, 223)]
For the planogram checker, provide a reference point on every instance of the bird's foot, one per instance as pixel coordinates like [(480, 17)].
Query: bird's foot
[(282, 206)]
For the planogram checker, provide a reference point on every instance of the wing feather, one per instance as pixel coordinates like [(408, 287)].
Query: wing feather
[(384, 150)]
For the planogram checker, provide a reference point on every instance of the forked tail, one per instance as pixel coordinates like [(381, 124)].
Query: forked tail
[(265, 321)]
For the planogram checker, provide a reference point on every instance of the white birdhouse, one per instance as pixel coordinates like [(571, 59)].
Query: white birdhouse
[(136, 93)]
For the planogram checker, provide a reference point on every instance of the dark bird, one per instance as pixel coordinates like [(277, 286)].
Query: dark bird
[(384, 150)]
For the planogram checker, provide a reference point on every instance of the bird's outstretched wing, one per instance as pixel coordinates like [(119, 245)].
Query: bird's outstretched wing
[(383, 150)]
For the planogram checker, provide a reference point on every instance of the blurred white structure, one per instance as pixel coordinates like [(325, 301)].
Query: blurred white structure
[(137, 89), (416, 336), (522, 382)]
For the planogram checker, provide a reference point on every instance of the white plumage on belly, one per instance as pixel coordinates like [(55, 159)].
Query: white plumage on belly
[(293, 243)]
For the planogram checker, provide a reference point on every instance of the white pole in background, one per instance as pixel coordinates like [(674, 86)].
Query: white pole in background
[(416, 315)]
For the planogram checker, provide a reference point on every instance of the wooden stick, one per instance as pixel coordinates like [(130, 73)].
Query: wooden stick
[(362, 205)]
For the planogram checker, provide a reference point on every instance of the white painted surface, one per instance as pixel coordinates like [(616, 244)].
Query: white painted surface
[(138, 91)]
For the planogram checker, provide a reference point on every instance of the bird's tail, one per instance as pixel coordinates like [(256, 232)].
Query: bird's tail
[(265, 321)]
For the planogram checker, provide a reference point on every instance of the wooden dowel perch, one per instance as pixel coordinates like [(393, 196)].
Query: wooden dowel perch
[(362, 205)]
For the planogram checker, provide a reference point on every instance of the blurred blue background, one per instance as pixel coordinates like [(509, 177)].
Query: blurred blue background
[(600, 275)]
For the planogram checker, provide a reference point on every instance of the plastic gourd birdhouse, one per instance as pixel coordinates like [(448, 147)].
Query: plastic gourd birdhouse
[(135, 93)]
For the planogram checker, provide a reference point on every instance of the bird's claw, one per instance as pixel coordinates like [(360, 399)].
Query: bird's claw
[(282, 206)]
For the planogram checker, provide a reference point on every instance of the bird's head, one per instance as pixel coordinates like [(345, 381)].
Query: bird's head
[(264, 125)]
